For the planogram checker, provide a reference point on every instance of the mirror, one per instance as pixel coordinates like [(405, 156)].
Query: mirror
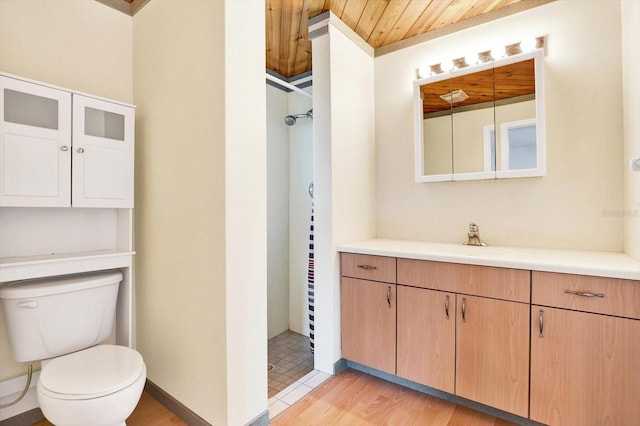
[(481, 122)]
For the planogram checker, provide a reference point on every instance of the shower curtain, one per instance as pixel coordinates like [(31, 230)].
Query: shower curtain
[(310, 285)]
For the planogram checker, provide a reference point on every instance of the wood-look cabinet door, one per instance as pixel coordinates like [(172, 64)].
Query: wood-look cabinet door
[(584, 368), (426, 337), (369, 323), (492, 353)]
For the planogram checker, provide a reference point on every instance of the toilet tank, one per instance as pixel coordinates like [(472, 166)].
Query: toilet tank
[(49, 317)]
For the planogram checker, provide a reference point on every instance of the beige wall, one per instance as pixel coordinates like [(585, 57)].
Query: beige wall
[(201, 204), (80, 45), (631, 84), (565, 209)]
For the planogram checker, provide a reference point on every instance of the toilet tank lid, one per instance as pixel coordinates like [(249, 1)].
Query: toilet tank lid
[(56, 285)]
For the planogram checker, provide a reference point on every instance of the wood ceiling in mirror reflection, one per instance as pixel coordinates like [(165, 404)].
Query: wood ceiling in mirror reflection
[(379, 22), (503, 82)]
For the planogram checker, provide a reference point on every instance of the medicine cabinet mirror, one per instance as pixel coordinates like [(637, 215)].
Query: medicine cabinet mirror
[(481, 122)]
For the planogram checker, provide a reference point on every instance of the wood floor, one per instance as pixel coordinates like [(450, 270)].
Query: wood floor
[(350, 398), (354, 398), (148, 412)]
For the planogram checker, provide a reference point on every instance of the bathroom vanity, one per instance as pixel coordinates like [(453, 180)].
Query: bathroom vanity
[(549, 335)]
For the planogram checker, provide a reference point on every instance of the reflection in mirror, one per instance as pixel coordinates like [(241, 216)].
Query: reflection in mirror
[(515, 113), (481, 122), (469, 120), (437, 155)]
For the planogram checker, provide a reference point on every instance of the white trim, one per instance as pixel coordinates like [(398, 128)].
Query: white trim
[(75, 92), (287, 85), (10, 389)]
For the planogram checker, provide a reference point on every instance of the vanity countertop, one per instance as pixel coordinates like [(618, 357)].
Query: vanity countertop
[(596, 263)]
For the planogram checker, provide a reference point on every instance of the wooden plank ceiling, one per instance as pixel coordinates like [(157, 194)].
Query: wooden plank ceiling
[(379, 22)]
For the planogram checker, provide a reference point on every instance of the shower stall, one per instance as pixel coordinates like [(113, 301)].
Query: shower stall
[(289, 210)]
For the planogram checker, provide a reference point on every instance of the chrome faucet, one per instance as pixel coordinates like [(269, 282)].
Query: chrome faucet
[(473, 237)]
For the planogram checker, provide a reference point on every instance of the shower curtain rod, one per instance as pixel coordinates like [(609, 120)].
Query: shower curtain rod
[(287, 85)]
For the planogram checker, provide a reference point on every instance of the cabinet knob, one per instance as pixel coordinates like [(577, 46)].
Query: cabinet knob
[(64, 148), (80, 150)]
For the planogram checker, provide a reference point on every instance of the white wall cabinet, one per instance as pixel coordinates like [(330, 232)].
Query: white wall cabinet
[(47, 162)]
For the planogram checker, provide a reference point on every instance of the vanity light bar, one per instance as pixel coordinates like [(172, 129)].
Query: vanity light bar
[(495, 53)]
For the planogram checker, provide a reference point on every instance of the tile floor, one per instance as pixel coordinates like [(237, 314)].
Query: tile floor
[(294, 392), (292, 375), (290, 358)]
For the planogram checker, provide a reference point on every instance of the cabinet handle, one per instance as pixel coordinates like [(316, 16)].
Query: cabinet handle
[(584, 293), (389, 296), (541, 323), (368, 267), (446, 306), (64, 148), (80, 150), (464, 309)]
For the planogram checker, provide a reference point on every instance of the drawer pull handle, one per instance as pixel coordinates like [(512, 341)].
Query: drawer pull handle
[(446, 306), (368, 267), (584, 293), (541, 323), (389, 296), (464, 309)]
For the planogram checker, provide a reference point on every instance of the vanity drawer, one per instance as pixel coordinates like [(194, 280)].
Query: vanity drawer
[(373, 268), (610, 296), (485, 281)]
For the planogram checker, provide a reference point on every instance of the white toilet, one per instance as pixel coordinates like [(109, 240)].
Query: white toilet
[(61, 320)]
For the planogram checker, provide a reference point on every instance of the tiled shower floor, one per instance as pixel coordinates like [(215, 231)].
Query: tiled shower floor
[(291, 359)]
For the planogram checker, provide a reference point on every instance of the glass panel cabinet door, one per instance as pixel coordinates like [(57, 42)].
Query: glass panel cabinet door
[(35, 145), (103, 135)]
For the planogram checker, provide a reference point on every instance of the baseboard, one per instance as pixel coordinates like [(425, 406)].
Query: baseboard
[(261, 420), (175, 406), (11, 389), (443, 395)]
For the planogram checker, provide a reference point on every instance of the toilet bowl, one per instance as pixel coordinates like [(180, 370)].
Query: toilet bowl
[(62, 321), (98, 386)]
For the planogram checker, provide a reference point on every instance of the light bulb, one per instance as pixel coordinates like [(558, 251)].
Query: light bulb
[(497, 52), (446, 65), (528, 44), (424, 71)]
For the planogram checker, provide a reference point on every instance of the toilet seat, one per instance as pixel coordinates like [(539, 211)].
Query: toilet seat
[(91, 373)]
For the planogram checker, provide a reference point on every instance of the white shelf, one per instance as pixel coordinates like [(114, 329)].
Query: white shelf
[(27, 267)]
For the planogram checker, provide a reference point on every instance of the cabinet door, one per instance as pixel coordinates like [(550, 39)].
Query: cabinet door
[(584, 368), (426, 337), (492, 353), (369, 323), (103, 135), (35, 145)]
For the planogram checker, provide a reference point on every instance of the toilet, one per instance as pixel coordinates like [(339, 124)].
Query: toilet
[(62, 321)]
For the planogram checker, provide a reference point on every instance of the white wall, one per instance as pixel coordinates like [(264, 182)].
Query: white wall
[(289, 172), (569, 207), (344, 172), (201, 205), (631, 94), (246, 207), (277, 212), (80, 45)]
